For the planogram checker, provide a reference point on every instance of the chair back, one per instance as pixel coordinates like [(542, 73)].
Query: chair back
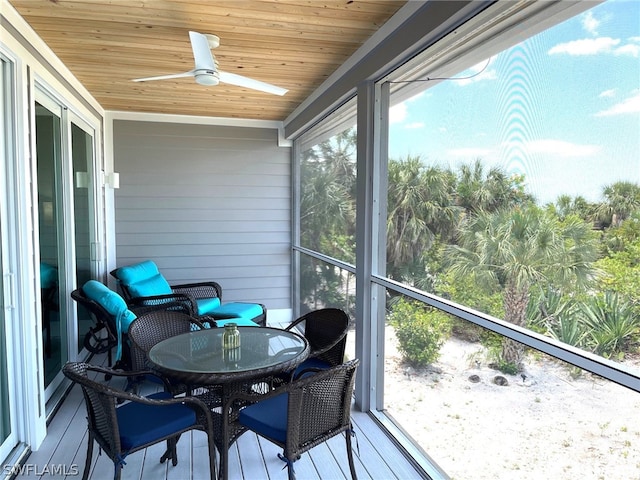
[(100, 401), (141, 279), (152, 327), (326, 331), (319, 407)]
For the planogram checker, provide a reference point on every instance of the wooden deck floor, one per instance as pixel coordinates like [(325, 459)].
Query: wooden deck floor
[(251, 457)]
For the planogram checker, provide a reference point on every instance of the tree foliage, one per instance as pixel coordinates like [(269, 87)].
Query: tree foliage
[(476, 236), (518, 248)]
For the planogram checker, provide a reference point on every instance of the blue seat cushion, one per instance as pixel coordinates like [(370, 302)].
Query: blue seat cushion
[(144, 279), (237, 310), (310, 363), (268, 417), (206, 305), (141, 424), (241, 322)]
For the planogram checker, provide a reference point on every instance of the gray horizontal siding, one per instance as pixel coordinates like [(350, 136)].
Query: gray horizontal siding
[(206, 203)]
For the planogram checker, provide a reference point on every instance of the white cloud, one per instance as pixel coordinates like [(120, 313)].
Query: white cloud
[(630, 105), (587, 46), (414, 125), (628, 49), (398, 113), (608, 93), (561, 148), (590, 24)]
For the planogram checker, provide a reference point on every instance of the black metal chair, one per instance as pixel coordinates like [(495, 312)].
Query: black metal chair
[(103, 336), (326, 331), (139, 423), (298, 416)]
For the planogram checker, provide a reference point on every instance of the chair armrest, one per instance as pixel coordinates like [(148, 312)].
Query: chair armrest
[(171, 301), (115, 372), (199, 290), (295, 323)]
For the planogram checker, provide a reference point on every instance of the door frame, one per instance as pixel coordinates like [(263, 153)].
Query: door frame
[(8, 300)]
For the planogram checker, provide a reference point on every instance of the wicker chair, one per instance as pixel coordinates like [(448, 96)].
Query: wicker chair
[(139, 423), (319, 407), (151, 328), (142, 283), (326, 331)]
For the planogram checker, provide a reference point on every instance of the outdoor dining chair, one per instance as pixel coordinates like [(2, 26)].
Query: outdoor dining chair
[(326, 331), (142, 283), (150, 329), (298, 416), (138, 423)]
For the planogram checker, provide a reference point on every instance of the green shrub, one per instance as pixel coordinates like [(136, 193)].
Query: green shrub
[(613, 326), (420, 331)]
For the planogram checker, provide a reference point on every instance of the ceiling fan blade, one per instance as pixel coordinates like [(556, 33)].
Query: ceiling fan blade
[(165, 77), (240, 81), (201, 52)]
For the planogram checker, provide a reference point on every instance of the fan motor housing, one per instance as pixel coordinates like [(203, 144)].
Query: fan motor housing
[(207, 78)]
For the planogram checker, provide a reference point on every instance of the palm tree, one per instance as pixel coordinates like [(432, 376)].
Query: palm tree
[(518, 249), (420, 210), (327, 203), (566, 205), (327, 216), (621, 200), (490, 190)]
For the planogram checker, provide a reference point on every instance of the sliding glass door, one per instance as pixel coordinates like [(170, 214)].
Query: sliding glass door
[(51, 223), (82, 156), (65, 167)]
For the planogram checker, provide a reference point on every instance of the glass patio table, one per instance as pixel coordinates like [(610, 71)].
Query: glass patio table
[(198, 358)]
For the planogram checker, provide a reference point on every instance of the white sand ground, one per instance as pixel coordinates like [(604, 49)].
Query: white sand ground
[(551, 425)]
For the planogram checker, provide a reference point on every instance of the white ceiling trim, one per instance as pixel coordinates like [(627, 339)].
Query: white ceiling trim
[(199, 120)]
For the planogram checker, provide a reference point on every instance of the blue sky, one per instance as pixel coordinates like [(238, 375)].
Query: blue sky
[(563, 108)]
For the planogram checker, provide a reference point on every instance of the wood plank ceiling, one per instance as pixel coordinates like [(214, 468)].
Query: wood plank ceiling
[(294, 44)]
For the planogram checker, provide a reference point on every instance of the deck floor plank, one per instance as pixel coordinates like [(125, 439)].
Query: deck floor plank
[(368, 430)]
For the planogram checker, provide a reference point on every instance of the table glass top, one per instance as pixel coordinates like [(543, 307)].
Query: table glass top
[(201, 351)]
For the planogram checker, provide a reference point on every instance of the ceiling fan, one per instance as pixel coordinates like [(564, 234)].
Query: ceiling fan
[(206, 68)]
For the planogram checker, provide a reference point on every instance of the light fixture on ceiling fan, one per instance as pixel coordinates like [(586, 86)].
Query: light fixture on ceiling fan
[(206, 70)]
